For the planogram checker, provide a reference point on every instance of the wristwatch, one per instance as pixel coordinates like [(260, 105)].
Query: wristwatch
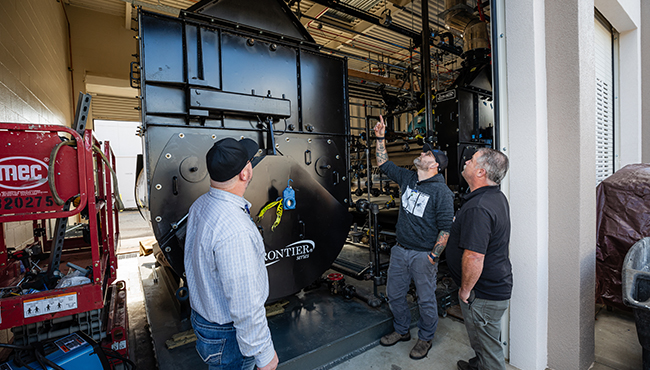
[(434, 258)]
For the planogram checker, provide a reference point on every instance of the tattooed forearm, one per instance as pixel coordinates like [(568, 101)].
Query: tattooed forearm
[(381, 153), (441, 243)]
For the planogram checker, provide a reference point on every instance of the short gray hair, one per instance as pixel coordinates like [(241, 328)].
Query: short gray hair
[(494, 163)]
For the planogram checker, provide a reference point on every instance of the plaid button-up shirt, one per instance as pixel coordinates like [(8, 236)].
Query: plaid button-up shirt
[(225, 271)]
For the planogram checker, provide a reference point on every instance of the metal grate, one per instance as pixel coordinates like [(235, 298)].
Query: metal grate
[(604, 101), (115, 108)]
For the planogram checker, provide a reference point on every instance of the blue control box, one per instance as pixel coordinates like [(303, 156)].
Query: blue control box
[(73, 352)]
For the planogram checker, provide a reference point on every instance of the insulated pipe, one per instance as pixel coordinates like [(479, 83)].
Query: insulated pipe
[(459, 19)]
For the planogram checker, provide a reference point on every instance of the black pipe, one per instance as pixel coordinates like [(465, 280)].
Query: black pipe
[(368, 161), (376, 268), (360, 269), (439, 25), (363, 105), (355, 95), (495, 73), (426, 68), (399, 112), (358, 275), (372, 300), (363, 59)]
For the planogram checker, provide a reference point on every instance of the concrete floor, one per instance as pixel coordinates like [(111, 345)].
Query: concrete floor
[(617, 346)]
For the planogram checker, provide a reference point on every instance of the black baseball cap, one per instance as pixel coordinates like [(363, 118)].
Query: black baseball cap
[(228, 157), (441, 157)]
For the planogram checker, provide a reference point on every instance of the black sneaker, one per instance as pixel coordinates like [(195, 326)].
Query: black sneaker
[(394, 337), (464, 365)]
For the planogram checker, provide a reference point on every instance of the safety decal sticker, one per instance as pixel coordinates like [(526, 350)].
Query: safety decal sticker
[(45, 305), (116, 346)]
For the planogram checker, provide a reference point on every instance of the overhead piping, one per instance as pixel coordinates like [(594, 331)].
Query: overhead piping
[(368, 17), (349, 38), (355, 32)]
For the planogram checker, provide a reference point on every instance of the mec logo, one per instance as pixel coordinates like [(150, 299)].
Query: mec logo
[(21, 173)]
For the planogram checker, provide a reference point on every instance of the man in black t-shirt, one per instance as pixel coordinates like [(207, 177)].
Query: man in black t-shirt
[(477, 256)]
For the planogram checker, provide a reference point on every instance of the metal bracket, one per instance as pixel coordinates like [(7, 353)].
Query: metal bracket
[(81, 114), (57, 242), (202, 99)]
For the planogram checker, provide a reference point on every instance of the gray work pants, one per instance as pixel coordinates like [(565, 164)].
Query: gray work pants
[(483, 323), (407, 264)]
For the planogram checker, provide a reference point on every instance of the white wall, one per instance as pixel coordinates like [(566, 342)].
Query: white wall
[(550, 122), (645, 60), (126, 146), (572, 174), (625, 17), (630, 98), (528, 181)]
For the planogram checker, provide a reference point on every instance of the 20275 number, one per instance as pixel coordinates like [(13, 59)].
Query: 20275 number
[(25, 202)]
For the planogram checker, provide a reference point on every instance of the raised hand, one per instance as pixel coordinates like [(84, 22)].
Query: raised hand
[(380, 127)]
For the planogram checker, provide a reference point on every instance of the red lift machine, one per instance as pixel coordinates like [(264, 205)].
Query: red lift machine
[(49, 173)]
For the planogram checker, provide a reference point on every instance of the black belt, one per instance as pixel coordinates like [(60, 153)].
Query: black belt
[(411, 249), (405, 247)]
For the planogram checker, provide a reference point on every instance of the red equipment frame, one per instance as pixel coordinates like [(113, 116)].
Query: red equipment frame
[(79, 173)]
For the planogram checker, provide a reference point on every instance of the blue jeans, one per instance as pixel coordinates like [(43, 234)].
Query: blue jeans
[(407, 264), (217, 345)]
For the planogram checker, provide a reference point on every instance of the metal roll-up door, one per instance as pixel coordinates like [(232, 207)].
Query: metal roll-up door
[(604, 60), (115, 108)]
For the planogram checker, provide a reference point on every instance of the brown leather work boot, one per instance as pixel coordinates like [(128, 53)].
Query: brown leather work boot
[(420, 350), (394, 337)]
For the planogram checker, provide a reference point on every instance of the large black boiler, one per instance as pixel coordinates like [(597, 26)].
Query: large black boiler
[(247, 68)]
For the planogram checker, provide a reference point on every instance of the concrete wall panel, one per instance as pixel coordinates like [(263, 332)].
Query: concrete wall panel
[(645, 84), (572, 214), (528, 182)]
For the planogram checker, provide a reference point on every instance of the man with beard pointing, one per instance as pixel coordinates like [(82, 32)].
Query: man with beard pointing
[(425, 217)]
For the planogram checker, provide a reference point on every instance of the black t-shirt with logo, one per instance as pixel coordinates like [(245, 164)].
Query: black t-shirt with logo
[(482, 225)]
